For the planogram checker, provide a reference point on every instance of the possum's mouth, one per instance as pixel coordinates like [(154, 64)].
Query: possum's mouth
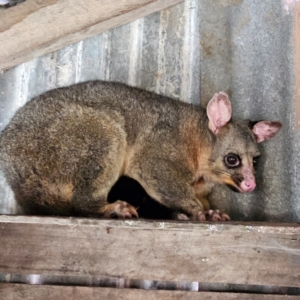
[(234, 182), (246, 185)]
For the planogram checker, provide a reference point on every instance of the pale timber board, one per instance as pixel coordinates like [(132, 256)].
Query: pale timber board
[(32, 292), (251, 254), (35, 28)]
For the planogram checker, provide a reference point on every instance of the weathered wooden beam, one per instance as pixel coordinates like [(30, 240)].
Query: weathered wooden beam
[(32, 292), (35, 28), (251, 254)]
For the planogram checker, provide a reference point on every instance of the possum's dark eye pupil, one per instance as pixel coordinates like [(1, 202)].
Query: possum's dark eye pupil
[(232, 160), (255, 161)]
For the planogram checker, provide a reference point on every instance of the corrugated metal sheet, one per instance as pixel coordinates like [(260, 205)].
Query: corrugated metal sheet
[(245, 47), (248, 49), (8, 3)]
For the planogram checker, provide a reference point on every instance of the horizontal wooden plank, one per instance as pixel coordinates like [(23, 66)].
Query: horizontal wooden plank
[(165, 251), (34, 28), (33, 292)]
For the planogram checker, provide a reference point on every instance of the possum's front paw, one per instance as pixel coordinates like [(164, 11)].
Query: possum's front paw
[(216, 215), (119, 209), (209, 215)]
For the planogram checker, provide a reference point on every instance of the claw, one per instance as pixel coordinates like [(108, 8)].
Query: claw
[(201, 216), (225, 217), (181, 217), (216, 215), (133, 212)]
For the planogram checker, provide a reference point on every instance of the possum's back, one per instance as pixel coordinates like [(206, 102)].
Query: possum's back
[(139, 108), (136, 110)]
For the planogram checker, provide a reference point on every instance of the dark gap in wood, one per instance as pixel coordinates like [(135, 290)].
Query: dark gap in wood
[(146, 284)]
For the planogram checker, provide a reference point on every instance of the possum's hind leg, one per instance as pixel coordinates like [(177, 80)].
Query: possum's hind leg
[(99, 172), (100, 169), (90, 197)]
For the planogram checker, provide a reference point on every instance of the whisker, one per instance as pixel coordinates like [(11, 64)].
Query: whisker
[(266, 177), (220, 172)]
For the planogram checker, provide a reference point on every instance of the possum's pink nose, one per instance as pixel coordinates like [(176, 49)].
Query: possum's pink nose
[(248, 186)]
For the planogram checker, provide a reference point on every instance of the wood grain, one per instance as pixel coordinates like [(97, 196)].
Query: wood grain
[(165, 251), (36, 27), (33, 292)]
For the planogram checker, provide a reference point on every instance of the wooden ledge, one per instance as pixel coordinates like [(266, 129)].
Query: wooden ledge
[(242, 227), (35, 28), (244, 253)]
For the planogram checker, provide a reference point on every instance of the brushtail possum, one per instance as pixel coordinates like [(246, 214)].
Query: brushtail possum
[(64, 150)]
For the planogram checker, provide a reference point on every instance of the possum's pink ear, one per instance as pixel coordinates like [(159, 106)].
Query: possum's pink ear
[(264, 130), (218, 111)]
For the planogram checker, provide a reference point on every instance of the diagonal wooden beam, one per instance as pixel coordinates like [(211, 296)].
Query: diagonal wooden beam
[(35, 28)]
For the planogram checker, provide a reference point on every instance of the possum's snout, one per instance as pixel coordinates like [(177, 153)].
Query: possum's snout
[(248, 186)]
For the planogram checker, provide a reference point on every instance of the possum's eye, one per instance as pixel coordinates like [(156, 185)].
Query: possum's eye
[(232, 160), (255, 161)]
